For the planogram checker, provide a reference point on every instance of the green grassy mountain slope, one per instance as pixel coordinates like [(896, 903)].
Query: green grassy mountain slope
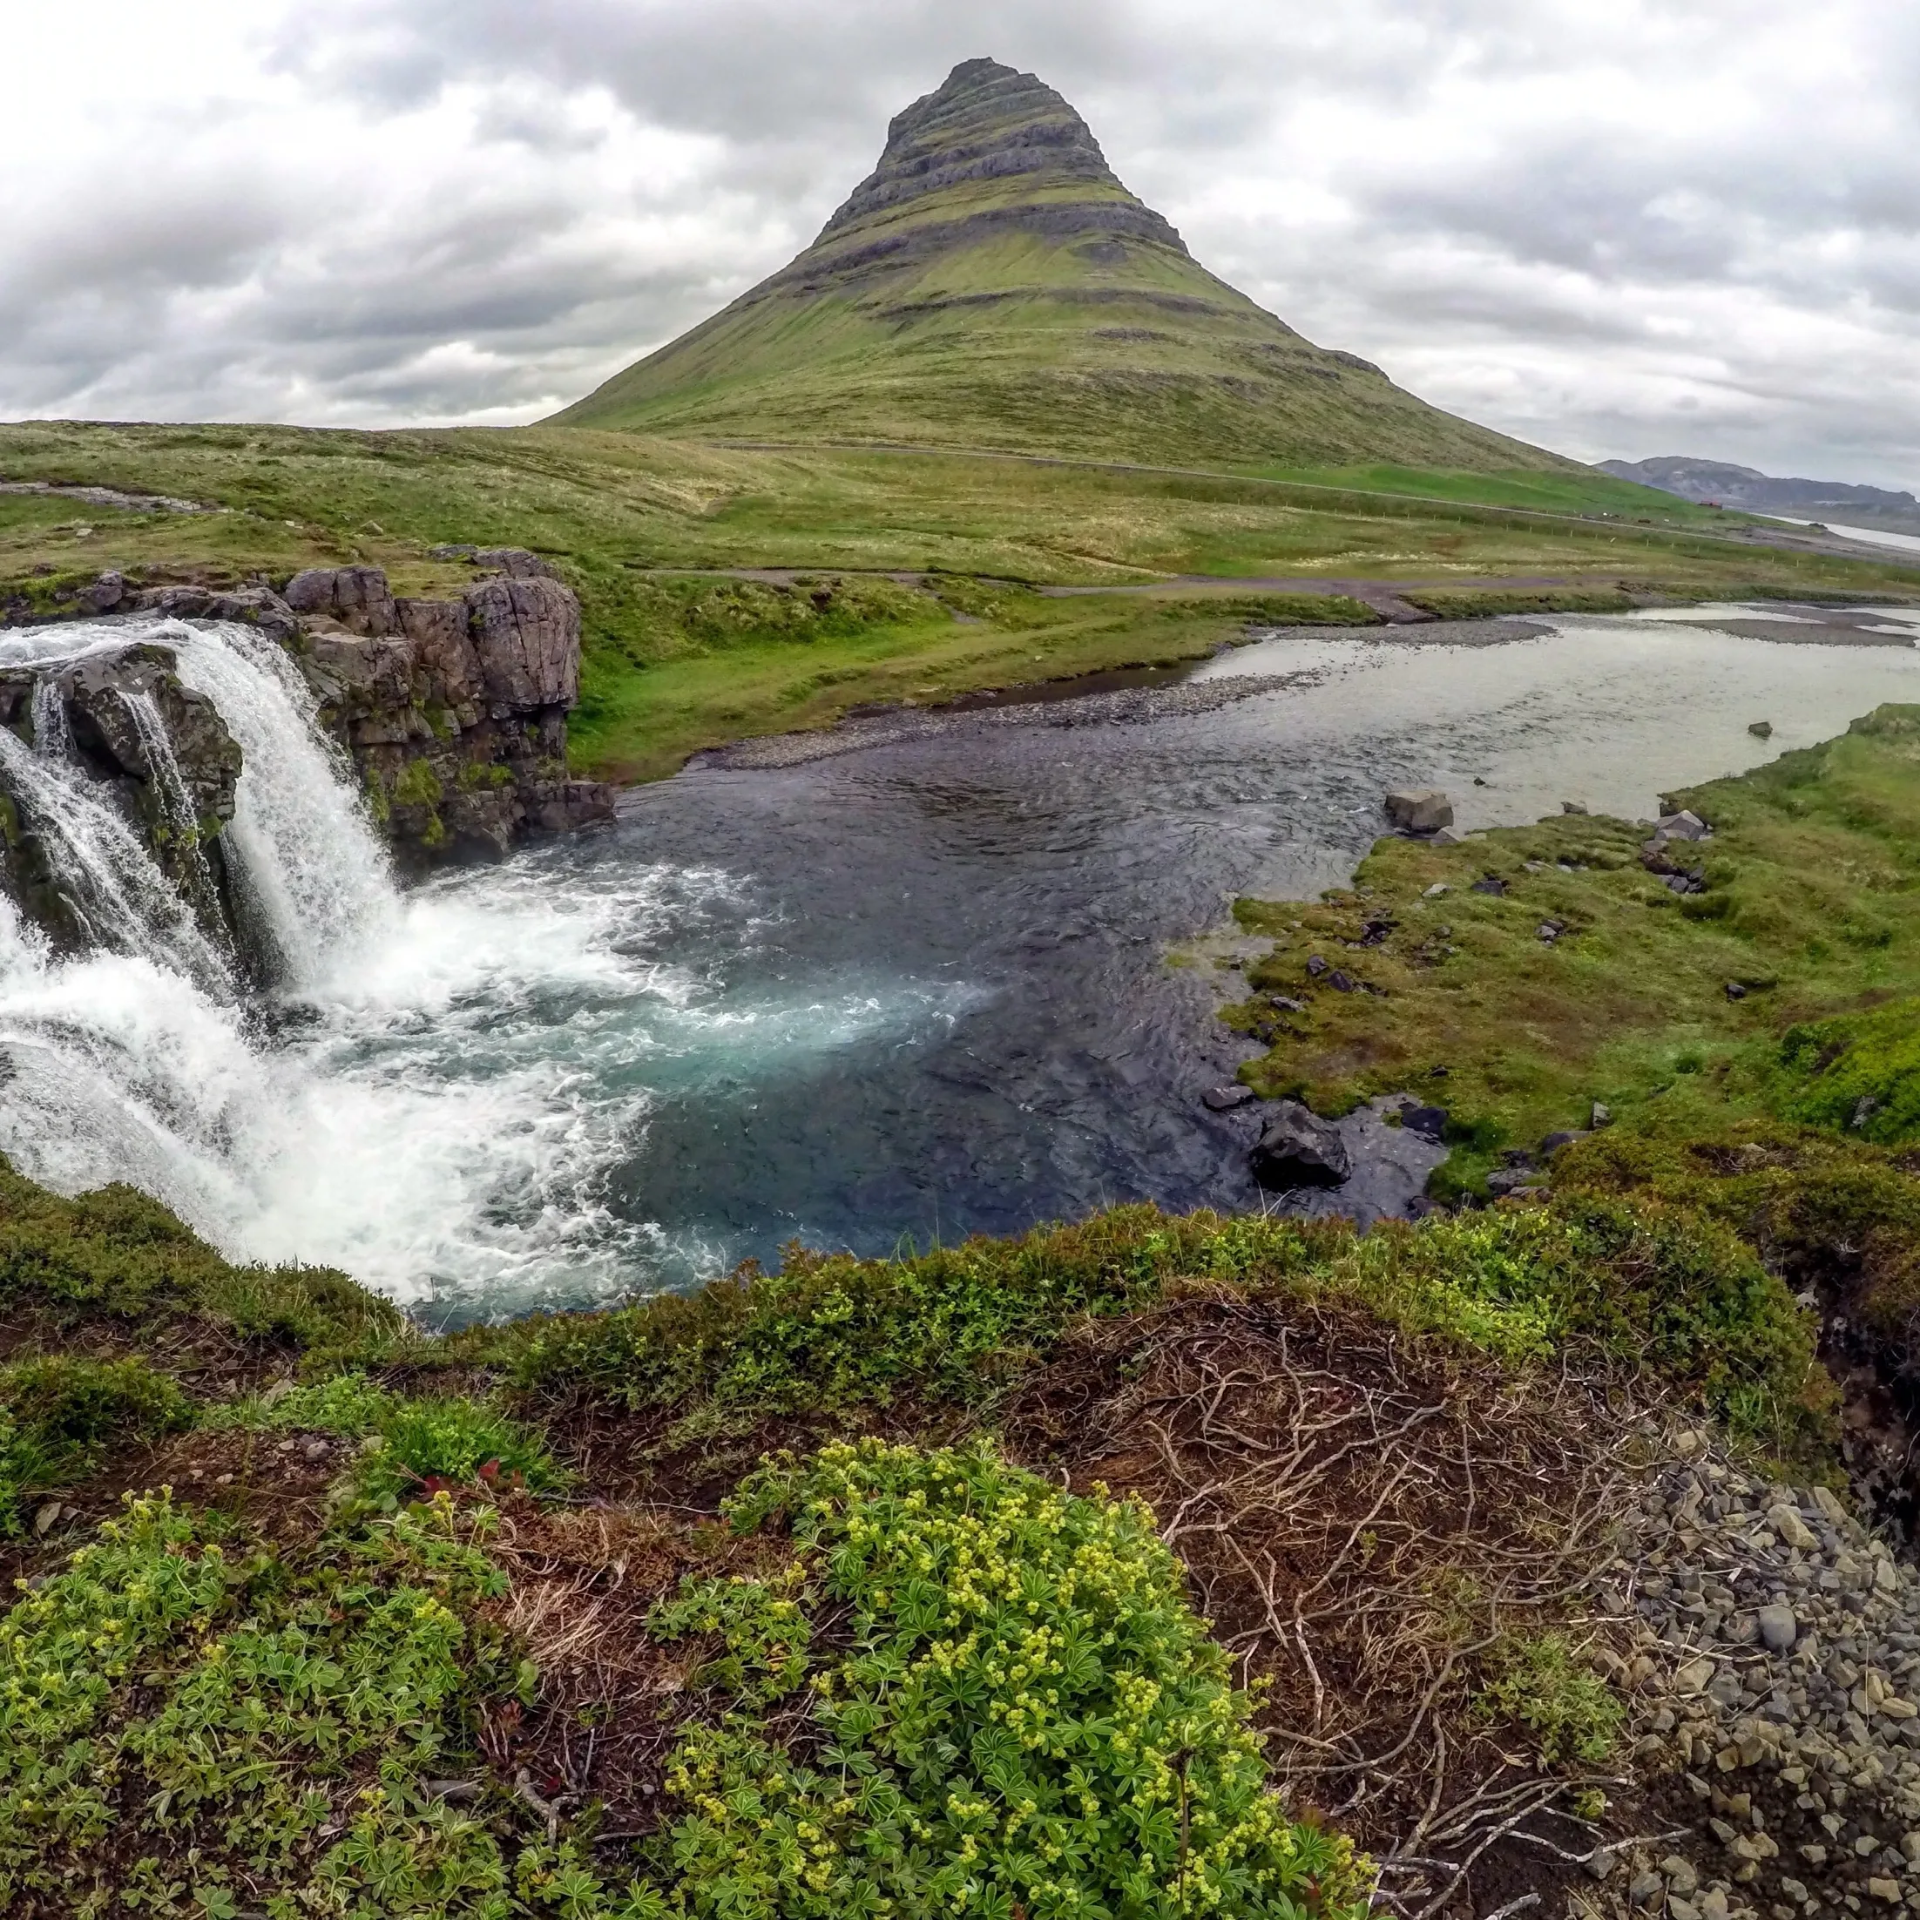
[(992, 284)]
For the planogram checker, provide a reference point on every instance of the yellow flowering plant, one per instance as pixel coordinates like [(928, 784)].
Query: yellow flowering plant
[(1019, 1714)]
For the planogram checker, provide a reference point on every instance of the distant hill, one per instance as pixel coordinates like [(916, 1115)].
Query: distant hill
[(992, 284), (1745, 487)]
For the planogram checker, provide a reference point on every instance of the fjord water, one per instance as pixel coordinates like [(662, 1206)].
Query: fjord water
[(895, 995)]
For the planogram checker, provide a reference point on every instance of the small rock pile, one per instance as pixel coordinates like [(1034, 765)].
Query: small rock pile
[(1666, 852), (1778, 1646)]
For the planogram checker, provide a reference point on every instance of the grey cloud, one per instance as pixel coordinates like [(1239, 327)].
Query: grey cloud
[(1642, 206)]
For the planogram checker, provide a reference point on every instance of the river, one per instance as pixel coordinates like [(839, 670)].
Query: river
[(905, 991)]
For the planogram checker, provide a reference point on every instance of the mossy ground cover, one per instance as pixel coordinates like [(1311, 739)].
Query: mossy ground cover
[(1785, 987), (610, 510), (112, 1271)]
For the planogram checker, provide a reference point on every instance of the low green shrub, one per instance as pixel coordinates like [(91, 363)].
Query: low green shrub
[(1544, 1686), (59, 1415), (416, 1443), (176, 1715), (1835, 1214), (1019, 1713), (1649, 1285), (830, 1330), (454, 1442), (765, 1634), (1858, 1075)]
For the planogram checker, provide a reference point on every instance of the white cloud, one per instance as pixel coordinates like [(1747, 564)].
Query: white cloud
[(1644, 226)]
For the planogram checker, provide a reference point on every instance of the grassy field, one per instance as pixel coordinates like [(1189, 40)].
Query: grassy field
[(1580, 490), (672, 666)]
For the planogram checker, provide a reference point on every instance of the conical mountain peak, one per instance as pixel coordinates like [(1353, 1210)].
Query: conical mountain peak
[(985, 122), (991, 284)]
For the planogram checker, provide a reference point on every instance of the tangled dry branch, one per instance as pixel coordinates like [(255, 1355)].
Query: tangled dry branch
[(1365, 1521)]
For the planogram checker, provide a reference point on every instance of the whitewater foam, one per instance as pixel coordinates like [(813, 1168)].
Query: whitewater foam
[(440, 1090), (428, 1116)]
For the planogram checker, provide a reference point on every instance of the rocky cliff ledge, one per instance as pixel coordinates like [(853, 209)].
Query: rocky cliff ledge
[(455, 711)]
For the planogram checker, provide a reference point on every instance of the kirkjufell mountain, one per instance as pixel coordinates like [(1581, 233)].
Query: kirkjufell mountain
[(992, 284)]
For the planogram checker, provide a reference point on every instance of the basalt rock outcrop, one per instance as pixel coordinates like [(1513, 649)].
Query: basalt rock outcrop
[(455, 711)]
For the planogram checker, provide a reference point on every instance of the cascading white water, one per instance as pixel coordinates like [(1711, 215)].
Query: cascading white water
[(398, 1130), (317, 876), (52, 730), (123, 901), (181, 816)]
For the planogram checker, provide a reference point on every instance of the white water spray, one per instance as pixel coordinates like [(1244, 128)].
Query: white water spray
[(431, 1120), (121, 900), (316, 875)]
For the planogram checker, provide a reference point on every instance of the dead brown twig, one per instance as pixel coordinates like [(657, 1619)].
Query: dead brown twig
[(1366, 1519)]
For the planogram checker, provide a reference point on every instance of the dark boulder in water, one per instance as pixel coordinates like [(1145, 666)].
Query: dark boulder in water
[(1299, 1149)]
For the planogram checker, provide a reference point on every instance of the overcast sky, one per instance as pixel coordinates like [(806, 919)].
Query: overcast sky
[(1610, 226)]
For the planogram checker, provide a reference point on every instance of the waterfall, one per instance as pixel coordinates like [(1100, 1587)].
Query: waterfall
[(122, 901), (52, 730), (314, 873), (438, 1086)]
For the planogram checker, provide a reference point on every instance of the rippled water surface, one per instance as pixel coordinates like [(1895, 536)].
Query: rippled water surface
[(900, 994), (930, 995)]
